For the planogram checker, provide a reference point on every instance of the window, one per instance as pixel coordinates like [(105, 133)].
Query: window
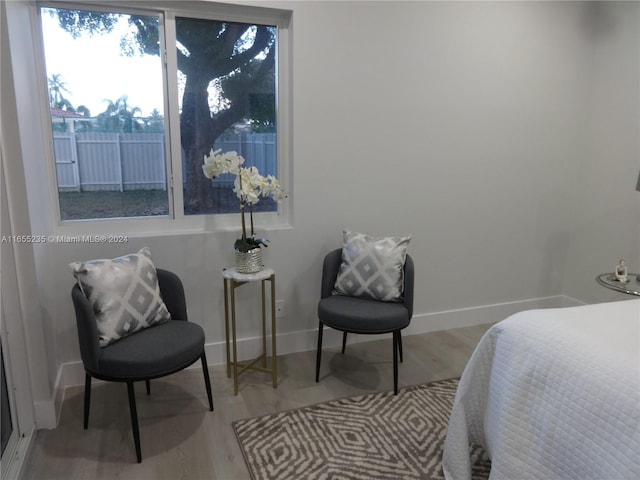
[(132, 120), (107, 114), (226, 77)]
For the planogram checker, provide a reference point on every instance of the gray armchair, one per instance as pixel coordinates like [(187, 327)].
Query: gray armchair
[(361, 315), (150, 353)]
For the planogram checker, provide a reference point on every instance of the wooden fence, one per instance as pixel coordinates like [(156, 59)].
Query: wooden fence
[(135, 161)]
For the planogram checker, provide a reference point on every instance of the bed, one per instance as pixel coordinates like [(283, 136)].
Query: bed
[(552, 394)]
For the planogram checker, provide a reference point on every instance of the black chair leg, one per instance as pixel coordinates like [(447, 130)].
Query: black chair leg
[(134, 420), (319, 352), (148, 384), (400, 344), (87, 399), (207, 380), (396, 337), (344, 341)]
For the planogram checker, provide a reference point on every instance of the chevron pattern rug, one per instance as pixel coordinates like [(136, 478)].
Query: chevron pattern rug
[(373, 436)]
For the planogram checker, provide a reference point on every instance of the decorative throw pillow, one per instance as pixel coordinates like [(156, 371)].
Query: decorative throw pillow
[(123, 292), (372, 267)]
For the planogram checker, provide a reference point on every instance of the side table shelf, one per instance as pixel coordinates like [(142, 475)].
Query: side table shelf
[(233, 280), (609, 280)]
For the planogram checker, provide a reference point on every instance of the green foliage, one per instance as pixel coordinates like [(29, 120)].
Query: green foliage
[(154, 123), (146, 38), (249, 243), (120, 117), (239, 57), (56, 86), (262, 112), (103, 204), (76, 22)]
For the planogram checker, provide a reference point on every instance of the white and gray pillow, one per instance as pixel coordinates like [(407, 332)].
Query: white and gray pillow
[(372, 267), (123, 292)]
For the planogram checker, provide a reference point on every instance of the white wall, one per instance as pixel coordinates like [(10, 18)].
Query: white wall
[(605, 223), (457, 127), (469, 126)]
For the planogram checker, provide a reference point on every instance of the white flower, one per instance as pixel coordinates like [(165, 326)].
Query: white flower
[(232, 162), (249, 186), (272, 188), (216, 164), (211, 168)]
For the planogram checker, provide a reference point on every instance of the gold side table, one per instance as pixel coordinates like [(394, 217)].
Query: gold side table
[(233, 280)]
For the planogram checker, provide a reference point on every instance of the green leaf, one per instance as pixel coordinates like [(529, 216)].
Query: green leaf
[(250, 243)]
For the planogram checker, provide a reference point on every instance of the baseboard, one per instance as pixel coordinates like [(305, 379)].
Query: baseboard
[(13, 463), (72, 373), (467, 317)]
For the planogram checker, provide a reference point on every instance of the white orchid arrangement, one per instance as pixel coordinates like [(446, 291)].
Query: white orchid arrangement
[(249, 186)]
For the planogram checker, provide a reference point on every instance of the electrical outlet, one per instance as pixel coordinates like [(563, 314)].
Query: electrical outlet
[(280, 308)]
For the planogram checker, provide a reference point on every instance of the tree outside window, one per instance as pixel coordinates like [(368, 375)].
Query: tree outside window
[(227, 83)]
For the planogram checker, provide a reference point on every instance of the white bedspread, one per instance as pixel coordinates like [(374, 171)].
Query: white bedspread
[(552, 394)]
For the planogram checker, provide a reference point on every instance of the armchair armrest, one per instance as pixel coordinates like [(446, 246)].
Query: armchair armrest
[(88, 336), (172, 293), (330, 269), (408, 284)]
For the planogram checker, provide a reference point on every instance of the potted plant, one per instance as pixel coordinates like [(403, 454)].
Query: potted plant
[(249, 186)]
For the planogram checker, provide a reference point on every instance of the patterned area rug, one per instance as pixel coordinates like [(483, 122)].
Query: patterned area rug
[(373, 436)]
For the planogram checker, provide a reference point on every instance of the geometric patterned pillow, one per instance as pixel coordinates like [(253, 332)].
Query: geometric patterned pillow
[(123, 292), (372, 267)]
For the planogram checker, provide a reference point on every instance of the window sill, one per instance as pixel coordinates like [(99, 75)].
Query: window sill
[(166, 226)]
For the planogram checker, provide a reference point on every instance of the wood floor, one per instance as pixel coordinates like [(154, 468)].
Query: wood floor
[(181, 439)]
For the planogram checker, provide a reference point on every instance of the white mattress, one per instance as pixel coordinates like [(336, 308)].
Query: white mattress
[(552, 394)]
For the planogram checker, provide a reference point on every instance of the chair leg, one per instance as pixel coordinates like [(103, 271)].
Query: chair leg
[(134, 420), (148, 384), (207, 381), (344, 341), (400, 344), (396, 337), (319, 352), (87, 399)]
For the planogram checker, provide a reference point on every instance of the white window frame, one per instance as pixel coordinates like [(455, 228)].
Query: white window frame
[(176, 221)]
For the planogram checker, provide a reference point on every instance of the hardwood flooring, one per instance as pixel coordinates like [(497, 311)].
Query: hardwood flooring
[(182, 440)]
